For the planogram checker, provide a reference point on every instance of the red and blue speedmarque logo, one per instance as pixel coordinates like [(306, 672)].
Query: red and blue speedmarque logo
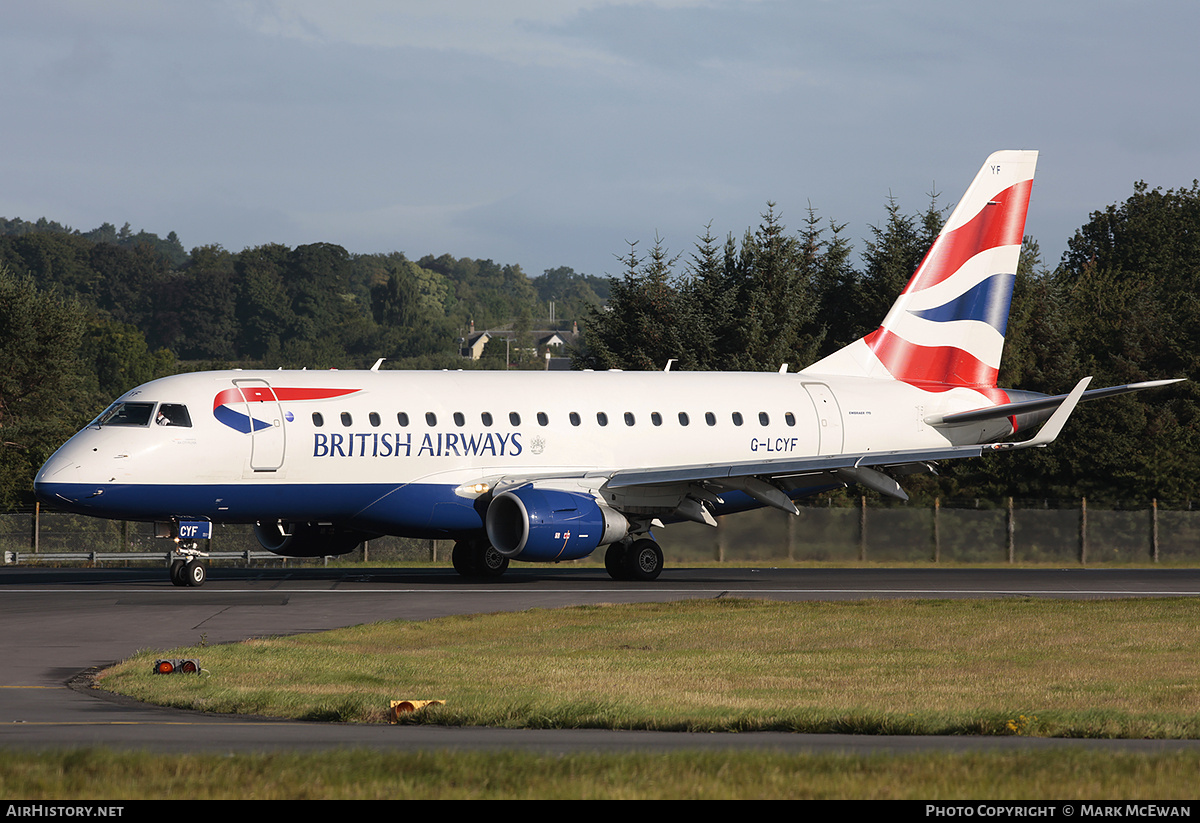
[(227, 403)]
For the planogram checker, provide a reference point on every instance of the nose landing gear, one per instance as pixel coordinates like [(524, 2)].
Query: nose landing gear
[(187, 566)]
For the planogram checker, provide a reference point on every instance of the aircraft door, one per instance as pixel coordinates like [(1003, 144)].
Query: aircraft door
[(829, 418), (267, 434)]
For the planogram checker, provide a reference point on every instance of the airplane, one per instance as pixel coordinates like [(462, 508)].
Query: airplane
[(551, 466)]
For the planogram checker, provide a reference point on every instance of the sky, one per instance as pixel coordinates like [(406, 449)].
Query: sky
[(549, 133)]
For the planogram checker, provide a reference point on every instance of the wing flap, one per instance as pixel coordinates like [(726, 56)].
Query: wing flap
[(784, 467)]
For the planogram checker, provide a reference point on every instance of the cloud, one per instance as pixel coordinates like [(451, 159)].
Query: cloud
[(549, 133)]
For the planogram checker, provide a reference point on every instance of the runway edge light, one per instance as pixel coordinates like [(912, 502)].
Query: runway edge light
[(187, 665)]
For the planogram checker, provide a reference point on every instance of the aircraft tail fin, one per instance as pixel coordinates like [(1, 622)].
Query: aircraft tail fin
[(947, 327)]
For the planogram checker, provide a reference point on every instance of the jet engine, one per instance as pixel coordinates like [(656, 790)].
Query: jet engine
[(307, 539), (540, 524)]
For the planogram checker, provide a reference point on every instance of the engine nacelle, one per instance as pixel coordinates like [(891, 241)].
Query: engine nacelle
[(536, 524), (307, 539)]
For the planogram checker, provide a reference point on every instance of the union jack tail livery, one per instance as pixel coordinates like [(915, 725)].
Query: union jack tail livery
[(946, 330)]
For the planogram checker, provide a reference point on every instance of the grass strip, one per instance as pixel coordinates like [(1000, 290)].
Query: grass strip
[(1062, 775), (1070, 668)]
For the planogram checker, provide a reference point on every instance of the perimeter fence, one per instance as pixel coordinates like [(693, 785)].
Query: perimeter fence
[(948, 531), (960, 531)]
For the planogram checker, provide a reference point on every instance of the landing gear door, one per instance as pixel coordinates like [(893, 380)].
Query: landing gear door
[(266, 424), (829, 417)]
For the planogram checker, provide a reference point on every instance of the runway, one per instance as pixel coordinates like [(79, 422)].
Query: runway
[(58, 624)]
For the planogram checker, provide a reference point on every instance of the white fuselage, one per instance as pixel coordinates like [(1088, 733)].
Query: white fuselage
[(402, 452)]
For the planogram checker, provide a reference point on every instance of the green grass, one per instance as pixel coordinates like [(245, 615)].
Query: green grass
[(1102, 668), (1058, 775), (1031, 667)]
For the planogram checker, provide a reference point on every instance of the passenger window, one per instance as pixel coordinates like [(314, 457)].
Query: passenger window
[(486, 417), (173, 414), (764, 419), (737, 418), (543, 420), (318, 420), (459, 420), (710, 418), (656, 418), (514, 418), (402, 418), (374, 417), (574, 417), (430, 419), (629, 421), (790, 419), (347, 420), (602, 418), (683, 419)]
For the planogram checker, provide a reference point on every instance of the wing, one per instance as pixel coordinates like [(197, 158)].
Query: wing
[(767, 481), (693, 491), (1041, 404)]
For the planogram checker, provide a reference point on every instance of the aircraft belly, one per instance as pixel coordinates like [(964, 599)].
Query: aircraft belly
[(411, 508), (419, 509)]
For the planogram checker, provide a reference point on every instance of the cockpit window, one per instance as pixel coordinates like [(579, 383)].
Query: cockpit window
[(173, 414), (126, 414), (140, 414)]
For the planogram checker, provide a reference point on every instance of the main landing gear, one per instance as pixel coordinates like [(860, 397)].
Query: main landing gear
[(479, 559), (633, 560), (640, 559)]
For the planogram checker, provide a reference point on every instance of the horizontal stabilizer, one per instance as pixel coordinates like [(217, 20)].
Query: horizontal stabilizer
[(1040, 404)]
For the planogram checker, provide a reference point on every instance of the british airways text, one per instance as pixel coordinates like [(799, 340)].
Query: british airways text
[(433, 444)]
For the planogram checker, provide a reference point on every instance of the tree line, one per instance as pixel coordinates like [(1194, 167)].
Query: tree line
[(86, 315), (1123, 305), (314, 305)]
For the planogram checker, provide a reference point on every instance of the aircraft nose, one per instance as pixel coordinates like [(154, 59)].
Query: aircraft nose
[(59, 471)]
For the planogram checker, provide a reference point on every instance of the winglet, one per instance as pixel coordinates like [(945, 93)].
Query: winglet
[(1054, 425)]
